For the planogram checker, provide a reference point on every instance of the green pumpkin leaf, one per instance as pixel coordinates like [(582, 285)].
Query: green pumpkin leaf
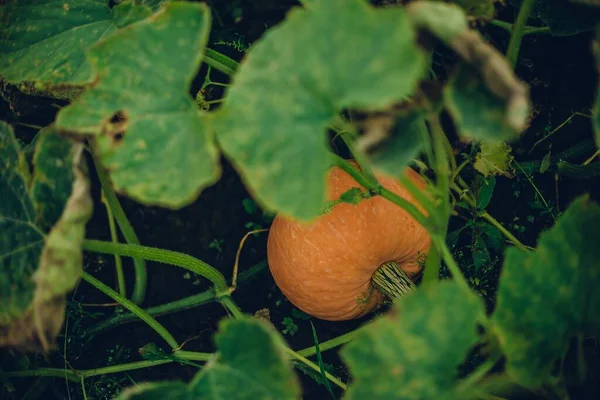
[(547, 296), (43, 42), (296, 79), (250, 364), (353, 196), (494, 237), (150, 134), (414, 352), (485, 191), (129, 12), (53, 178), (478, 113), (563, 17), (22, 241), (38, 270), (494, 158), (480, 252), (392, 142), (154, 5), (445, 21)]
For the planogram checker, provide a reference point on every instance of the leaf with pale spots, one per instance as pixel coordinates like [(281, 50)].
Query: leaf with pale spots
[(43, 42), (37, 269), (53, 178), (251, 363), (415, 351), (153, 4), (295, 80), (550, 295), (150, 135)]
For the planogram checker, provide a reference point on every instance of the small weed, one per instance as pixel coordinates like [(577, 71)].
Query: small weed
[(217, 244), (290, 326)]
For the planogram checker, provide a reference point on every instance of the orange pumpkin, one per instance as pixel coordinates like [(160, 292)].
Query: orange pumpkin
[(324, 267)]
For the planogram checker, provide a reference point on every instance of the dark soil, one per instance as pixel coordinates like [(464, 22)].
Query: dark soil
[(561, 74)]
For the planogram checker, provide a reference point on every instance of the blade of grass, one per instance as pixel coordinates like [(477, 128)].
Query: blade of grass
[(320, 361)]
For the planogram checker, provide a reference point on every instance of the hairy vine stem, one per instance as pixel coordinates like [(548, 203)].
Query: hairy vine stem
[(164, 256), (220, 62), (112, 203), (518, 29), (141, 314), (529, 30), (172, 258), (187, 262), (77, 375), (114, 237), (193, 301), (376, 188)]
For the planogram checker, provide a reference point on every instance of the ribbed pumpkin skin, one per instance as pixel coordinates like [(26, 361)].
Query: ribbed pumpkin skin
[(324, 267)]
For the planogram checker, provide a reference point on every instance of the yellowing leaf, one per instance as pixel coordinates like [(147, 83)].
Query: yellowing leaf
[(494, 159)]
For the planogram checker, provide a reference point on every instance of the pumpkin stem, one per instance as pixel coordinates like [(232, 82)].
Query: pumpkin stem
[(392, 281)]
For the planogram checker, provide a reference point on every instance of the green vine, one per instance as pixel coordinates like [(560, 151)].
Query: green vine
[(518, 29), (141, 314), (112, 203)]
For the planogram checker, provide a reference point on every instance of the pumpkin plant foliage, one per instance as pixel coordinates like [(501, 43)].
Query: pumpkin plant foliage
[(127, 70), (549, 296), (414, 351), (145, 126), (43, 43), (251, 363), (41, 236), (293, 83)]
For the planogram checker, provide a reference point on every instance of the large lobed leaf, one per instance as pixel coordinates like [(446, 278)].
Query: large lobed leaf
[(21, 241), (43, 42), (414, 353), (150, 135), (250, 364), (296, 79), (550, 295), (37, 270)]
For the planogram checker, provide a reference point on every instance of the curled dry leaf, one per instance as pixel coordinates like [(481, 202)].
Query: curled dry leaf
[(448, 23), (497, 74), (46, 266), (494, 159)]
